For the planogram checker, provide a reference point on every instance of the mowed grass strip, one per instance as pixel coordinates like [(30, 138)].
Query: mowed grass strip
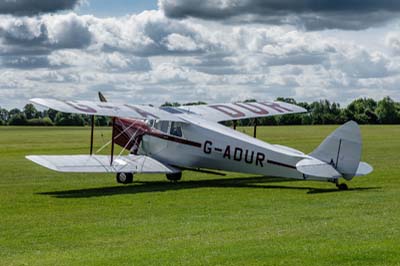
[(49, 218)]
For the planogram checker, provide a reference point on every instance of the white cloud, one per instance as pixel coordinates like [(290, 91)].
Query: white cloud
[(150, 58), (311, 14), (29, 7), (180, 43), (393, 42)]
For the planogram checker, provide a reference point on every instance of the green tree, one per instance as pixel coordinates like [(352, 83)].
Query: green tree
[(4, 116), (46, 121), (30, 111), (18, 119), (170, 104), (250, 101), (286, 100), (323, 112), (65, 119), (387, 112), (51, 113), (195, 103), (292, 119), (101, 121), (362, 111), (14, 111)]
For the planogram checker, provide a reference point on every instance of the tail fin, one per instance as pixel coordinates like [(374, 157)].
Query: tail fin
[(102, 98), (342, 150)]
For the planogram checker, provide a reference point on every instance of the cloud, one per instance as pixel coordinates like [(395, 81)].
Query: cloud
[(151, 58), (311, 14), (393, 42), (25, 62), (358, 63), (29, 7), (42, 35), (148, 34)]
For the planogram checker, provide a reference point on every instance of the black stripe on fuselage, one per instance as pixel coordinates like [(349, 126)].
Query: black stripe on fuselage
[(175, 139), (198, 145), (281, 164)]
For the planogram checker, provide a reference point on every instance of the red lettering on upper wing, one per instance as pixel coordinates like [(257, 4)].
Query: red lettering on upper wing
[(81, 107), (143, 113), (232, 112), (277, 107), (253, 108)]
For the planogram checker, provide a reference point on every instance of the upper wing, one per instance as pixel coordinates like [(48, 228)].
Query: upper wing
[(236, 111), (107, 109), (101, 164)]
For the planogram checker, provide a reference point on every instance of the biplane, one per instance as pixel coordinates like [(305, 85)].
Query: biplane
[(170, 140)]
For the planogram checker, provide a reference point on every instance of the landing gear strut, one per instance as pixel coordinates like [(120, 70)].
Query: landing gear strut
[(124, 178), (175, 177)]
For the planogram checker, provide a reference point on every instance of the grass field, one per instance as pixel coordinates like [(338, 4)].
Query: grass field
[(49, 218)]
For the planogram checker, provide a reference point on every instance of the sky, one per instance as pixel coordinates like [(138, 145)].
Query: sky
[(149, 52)]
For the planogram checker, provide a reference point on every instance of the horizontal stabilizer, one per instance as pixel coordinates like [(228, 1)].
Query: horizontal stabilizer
[(364, 169), (317, 168), (101, 164)]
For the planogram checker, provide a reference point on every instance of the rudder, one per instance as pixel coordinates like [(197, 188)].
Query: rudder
[(342, 149)]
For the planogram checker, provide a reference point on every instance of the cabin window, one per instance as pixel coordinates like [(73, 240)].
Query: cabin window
[(176, 129), (162, 126)]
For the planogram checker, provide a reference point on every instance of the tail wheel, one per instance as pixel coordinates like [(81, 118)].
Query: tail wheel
[(342, 186), (174, 177), (124, 178)]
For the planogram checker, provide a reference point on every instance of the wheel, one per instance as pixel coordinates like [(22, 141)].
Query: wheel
[(342, 186), (174, 177), (124, 178)]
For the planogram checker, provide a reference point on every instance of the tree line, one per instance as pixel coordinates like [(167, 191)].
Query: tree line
[(362, 110)]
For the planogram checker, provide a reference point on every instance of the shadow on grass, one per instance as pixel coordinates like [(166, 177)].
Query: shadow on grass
[(161, 186)]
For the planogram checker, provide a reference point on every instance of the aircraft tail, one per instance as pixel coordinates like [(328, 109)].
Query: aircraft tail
[(339, 153), (102, 98)]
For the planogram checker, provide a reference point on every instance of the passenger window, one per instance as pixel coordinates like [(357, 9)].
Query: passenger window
[(162, 126), (176, 129)]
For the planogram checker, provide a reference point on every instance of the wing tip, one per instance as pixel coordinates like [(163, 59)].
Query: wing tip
[(40, 160)]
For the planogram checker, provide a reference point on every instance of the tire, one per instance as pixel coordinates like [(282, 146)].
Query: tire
[(343, 186), (174, 177), (124, 178)]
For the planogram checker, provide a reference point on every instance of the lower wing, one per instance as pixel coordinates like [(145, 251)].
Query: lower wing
[(101, 164)]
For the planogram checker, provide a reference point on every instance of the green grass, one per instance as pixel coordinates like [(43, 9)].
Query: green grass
[(49, 218)]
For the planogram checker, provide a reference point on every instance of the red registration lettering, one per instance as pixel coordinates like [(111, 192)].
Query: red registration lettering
[(232, 112), (81, 107), (277, 107), (252, 108)]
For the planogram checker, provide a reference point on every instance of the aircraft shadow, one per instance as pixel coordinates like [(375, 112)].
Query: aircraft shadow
[(161, 186)]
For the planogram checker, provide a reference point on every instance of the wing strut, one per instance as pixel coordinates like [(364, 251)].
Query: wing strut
[(255, 128), (112, 140), (91, 134)]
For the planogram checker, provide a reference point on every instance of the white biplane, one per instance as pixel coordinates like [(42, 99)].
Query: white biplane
[(170, 140)]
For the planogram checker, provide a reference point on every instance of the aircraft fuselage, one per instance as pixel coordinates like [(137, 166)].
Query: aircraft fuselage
[(217, 148)]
